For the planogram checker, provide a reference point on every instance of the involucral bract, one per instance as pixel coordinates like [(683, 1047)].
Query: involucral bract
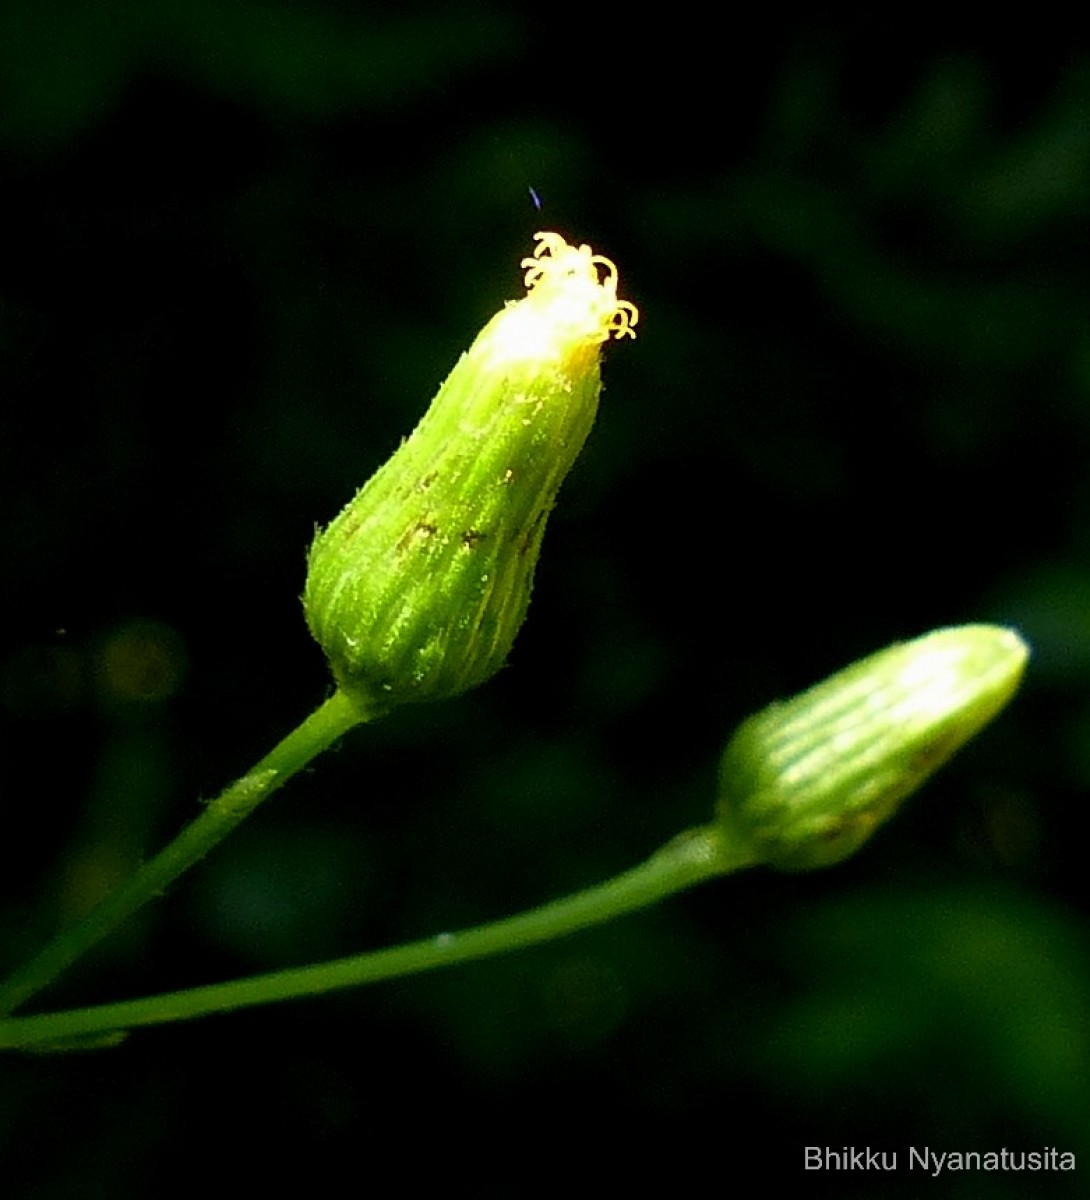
[(417, 589)]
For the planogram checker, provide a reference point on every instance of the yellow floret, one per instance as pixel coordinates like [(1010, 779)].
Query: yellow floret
[(576, 280)]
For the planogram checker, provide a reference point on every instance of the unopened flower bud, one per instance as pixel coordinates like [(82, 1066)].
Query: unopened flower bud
[(808, 780), (417, 589)]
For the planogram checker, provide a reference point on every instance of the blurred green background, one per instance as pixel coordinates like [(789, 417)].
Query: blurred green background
[(243, 244)]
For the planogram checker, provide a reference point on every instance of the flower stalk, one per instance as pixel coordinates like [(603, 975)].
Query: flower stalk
[(804, 784)]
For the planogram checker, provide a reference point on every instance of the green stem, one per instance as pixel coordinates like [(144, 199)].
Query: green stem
[(691, 858), (323, 727)]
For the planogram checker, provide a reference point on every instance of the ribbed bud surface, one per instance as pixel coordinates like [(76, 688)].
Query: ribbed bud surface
[(808, 780), (417, 589)]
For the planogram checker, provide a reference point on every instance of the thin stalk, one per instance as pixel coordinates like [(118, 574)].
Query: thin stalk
[(324, 726), (691, 858)]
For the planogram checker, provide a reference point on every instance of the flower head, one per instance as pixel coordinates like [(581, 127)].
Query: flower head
[(808, 780), (417, 589)]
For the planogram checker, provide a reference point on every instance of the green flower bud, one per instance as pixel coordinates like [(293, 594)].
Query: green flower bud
[(808, 780), (417, 589)]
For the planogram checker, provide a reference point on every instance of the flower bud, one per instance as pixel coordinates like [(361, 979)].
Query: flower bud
[(808, 780), (417, 589)]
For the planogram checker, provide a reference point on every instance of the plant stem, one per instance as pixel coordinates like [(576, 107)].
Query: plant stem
[(324, 726), (691, 858)]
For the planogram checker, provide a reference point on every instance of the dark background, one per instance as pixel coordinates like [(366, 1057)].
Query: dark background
[(242, 245)]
